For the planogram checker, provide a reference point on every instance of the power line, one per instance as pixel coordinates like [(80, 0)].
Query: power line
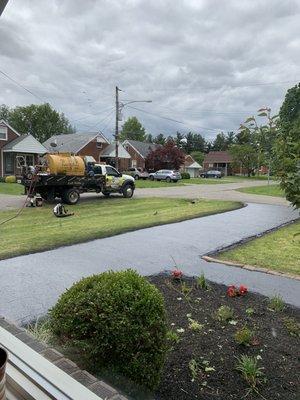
[(228, 85), (21, 86), (179, 122)]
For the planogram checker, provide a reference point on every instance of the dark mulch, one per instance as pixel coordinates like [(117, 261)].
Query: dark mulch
[(215, 346)]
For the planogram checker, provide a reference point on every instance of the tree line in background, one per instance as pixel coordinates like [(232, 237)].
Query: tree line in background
[(41, 120)]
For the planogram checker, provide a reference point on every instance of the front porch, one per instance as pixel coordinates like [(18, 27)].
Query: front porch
[(14, 162)]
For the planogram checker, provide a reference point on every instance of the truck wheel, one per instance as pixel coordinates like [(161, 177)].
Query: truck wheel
[(127, 191), (70, 196), (136, 177)]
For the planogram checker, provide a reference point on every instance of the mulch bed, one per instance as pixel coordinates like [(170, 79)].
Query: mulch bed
[(214, 346)]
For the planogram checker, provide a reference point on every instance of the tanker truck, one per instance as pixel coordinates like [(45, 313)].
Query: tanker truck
[(66, 176)]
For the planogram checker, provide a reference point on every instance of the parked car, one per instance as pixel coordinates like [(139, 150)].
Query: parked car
[(211, 174), (167, 175), (138, 173)]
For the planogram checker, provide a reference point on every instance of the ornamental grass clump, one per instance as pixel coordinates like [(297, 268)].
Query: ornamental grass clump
[(116, 320)]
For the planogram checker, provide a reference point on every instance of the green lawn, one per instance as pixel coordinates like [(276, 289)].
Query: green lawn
[(38, 229), (268, 190), (141, 184), (279, 250), (11, 188)]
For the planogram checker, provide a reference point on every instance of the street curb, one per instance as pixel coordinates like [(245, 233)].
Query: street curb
[(251, 267)]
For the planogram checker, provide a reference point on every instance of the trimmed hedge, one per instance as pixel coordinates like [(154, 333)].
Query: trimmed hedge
[(185, 175), (10, 179), (116, 320)]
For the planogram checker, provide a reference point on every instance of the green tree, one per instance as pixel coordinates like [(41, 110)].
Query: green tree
[(220, 142), (41, 120), (159, 139), (230, 139), (133, 129), (287, 146), (198, 156), (4, 112), (245, 156), (149, 138)]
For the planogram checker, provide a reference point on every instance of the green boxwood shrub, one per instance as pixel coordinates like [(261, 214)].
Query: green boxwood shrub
[(185, 175), (116, 320), (10, 179)]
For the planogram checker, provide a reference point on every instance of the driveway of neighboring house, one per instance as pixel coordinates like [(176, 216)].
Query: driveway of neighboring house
[(31, 284)]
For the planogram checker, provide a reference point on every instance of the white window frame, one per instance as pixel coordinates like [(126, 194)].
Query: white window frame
[(5, 128)]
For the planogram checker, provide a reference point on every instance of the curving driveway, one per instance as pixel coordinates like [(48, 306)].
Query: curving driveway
[(31, 284)]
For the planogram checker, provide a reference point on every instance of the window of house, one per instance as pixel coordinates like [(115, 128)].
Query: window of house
[(3, 133), (9, 163), (99, 143)]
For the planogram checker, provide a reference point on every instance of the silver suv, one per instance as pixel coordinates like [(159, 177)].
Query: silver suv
[(165, 175), (138, 173)]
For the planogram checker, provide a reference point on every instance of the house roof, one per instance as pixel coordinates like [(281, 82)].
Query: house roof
[(25, 144), (218, 157), (143, 148), (194, 165), (2, 122), (73, 142), (110, 151)]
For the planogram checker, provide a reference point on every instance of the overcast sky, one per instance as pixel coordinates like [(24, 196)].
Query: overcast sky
[(203, 63)]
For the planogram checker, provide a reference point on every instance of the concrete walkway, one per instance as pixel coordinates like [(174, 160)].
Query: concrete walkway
[(31, 284)]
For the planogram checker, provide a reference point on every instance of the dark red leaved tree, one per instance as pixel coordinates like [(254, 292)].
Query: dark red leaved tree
[(168, 156)]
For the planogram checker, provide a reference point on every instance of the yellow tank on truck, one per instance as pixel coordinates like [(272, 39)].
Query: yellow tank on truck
[(65, 164)]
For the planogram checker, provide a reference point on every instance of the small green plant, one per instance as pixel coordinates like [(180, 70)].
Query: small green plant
[(185, 289), (194, 369), (201, 281), (250, 311), (252, 373), (276, 303), (292, 326), (243, 336), (195, 325), (224, 314), (40, 329), (172, 336)]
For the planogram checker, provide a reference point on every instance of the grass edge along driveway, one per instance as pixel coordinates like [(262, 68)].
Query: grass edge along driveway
[(268, 190), (37, 229), (278, 251)]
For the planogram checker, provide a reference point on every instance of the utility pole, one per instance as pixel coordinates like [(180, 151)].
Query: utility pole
[(117, 127)]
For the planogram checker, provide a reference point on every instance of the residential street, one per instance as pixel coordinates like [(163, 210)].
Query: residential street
[(31, 284), (222, 191)]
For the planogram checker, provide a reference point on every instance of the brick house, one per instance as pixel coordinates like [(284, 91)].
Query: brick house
[(17, 150), (88, 144), (219, 160), (138, 151)]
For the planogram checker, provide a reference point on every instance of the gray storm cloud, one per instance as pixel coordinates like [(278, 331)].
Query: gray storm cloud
[(198, 61)]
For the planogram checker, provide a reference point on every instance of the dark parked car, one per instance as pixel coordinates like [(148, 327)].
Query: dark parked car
[(165, 175), (211, 174)]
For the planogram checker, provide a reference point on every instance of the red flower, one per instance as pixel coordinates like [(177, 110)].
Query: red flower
[(243, 290), (177, 274), (231, 291)]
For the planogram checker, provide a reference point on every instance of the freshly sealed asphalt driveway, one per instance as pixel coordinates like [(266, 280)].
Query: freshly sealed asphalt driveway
[(31, 284)]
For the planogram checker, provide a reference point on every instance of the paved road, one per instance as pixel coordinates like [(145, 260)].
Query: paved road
[(222, 191), (31, 284)]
